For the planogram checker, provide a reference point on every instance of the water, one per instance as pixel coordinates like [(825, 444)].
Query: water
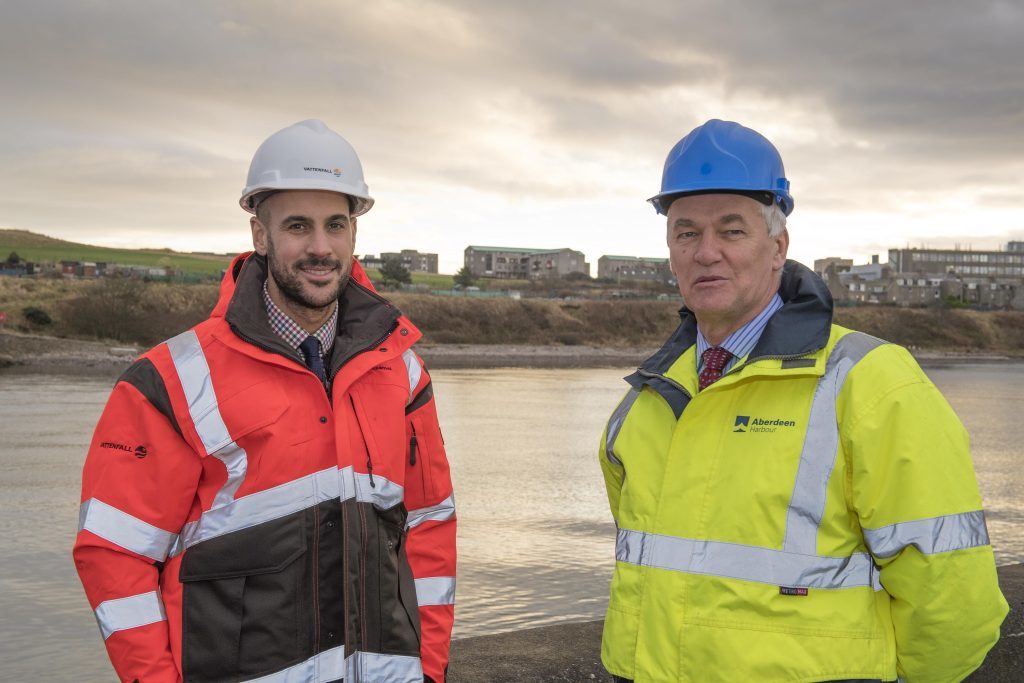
[(535, 536)]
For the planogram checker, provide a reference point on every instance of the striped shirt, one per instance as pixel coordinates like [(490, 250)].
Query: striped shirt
[(741, 342), (293, 334)]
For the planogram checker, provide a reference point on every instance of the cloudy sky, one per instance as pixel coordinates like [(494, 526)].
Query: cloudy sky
[(530, 123)]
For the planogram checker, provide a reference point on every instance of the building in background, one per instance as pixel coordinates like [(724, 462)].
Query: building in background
[(412, 260), (930, 277), (520, 263), (832, 265), (635, 269), (1007, 263)]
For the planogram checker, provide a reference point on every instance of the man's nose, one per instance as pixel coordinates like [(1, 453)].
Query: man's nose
[(708, 250), (319, 244)]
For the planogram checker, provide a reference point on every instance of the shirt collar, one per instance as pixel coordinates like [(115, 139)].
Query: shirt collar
[(741, 342), (292, 333)]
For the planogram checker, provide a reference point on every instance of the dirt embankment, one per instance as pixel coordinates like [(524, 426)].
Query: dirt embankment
[(127, 315)]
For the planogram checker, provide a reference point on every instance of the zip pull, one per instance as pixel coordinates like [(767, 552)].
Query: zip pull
[(412, 447), (369, 469)]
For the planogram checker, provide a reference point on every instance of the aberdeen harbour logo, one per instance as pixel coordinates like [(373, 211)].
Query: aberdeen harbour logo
[(138, 451), (746, 423)]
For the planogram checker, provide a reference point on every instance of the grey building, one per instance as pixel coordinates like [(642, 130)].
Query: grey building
[(523, 263), (412, 260), (634, 269), (969, 263)]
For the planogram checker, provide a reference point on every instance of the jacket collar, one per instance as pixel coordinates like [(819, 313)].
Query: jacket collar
[(801, 326), (364, 317)]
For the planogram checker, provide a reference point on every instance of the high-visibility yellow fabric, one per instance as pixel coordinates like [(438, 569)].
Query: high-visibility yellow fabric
[(725, 471)]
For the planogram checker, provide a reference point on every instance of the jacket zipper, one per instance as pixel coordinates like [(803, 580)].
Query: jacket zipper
[(412, 446)]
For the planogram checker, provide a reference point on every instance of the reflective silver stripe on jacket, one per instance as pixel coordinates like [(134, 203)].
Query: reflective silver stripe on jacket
[(930, 536), (371, 667), (412, 365), (746, 562), (615, 425), (328, 665), (821, 445), (194, 374), (435, 590), (288, 498), (131, 612), (441, 512), (381, 493), (120, 528)]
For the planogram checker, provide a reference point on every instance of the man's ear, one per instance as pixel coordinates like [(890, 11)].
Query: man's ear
[(259, 236), (782, 243)]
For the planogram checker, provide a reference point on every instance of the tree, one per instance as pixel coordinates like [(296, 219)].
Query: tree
[(13, 259), (393, 273), (464, 278)]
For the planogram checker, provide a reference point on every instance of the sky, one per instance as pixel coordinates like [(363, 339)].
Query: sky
[(531, 123)]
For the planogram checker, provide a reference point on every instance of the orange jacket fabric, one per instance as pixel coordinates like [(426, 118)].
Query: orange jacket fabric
[(239, 521)]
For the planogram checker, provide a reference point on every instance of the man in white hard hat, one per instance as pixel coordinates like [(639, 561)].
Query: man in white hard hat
[(794, 501), (267, 495)]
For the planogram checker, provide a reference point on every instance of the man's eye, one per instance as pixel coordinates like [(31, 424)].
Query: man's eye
[(296, 227), (337, 226)]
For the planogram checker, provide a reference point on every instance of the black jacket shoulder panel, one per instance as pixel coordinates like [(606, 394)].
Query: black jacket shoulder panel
[(143, 376)]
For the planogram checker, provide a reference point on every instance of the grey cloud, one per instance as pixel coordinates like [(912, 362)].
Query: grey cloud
[(183, 92)]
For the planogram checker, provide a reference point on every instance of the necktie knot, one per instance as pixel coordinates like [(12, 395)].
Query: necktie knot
[(310, 348), (715, 359)]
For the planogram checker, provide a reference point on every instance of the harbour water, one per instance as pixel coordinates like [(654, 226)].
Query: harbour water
[(535, 536)]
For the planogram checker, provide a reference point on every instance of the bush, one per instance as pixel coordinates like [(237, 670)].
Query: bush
[(133, 311), (36, 315)]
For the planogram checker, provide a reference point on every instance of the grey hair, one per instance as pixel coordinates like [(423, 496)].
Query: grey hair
[(774, 219)]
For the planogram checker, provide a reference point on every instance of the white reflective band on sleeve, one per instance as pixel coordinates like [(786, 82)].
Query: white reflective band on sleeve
[(412, 365), (615, 424), (821, 445), (329, 665), (131, 612), (371, 667), (441, 512), (288, 498), (435, 590), (194, 374), (930, 536), (120, 528), (749, 563)]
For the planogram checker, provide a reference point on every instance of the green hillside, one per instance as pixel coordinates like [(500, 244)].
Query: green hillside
[(35, 247)]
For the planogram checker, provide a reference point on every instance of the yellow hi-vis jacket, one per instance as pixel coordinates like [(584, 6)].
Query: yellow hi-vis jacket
[(811, 516)]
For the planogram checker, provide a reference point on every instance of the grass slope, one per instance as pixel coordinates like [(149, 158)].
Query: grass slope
[(35, 247)]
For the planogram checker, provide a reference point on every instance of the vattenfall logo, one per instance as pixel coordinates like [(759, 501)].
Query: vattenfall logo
[(138, 451), (745, 423), (316, 169)]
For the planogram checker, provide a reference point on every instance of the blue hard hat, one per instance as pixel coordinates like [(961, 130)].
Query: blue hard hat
[(723, 156)]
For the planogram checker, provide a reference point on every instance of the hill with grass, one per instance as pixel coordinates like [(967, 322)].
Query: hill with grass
[(32, 246)]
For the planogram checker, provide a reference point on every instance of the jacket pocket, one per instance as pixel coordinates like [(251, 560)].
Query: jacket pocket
[(391, 611), (427, 476), (246, 602)]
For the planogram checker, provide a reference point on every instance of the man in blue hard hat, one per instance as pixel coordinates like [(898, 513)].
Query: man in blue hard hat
[(794, 501)]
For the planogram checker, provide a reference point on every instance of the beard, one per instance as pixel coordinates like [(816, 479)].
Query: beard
[(304, 294)]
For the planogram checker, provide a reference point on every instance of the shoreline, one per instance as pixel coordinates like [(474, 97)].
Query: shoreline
[(29, 354)]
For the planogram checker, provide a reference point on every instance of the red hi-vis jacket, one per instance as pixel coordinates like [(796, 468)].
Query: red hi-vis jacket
[(240, 523)]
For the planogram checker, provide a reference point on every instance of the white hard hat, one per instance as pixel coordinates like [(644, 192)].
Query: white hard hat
[(307, 156)]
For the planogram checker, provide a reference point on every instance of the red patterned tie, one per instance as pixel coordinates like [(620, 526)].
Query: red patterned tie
[(715, 359)]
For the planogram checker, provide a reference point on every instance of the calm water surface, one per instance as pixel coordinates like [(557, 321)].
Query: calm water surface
[(535, 536)]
